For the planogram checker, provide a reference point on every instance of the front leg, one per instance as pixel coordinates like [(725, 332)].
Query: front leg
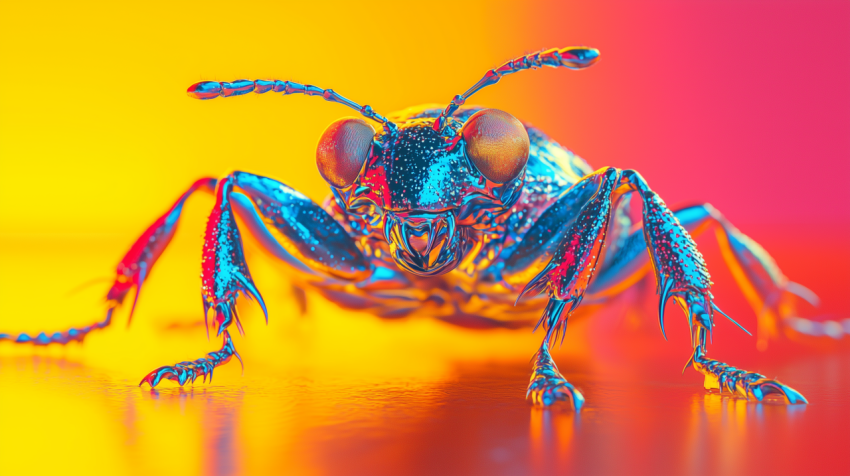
[(567, 274), (681, 274), (725, 378), (547, 385), (680, 270), (306, 237), (224, 275)]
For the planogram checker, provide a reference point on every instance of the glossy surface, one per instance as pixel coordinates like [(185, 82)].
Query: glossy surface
[(342, 149), (573, 57), (470, 422), (314, 401), (213, 89), (416, 181), (693, 97), (423, 172), (497, 144)]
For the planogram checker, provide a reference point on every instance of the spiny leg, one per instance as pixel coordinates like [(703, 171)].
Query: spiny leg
[(312, 242), (680, 271), (764, 285), (567, 274), (681, 274), (755, 271), (547, 386), (224, 276), (132, 271)]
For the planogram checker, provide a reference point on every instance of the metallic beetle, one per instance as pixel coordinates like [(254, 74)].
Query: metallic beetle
[(468, 215)]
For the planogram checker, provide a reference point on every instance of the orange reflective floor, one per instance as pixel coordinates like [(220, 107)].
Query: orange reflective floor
[(742, 104), (329, 392), (472, 421)]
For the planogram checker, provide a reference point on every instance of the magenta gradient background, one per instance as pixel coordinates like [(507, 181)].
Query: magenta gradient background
[(743, 104)]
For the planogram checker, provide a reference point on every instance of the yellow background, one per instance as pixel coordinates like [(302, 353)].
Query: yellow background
[(97, 138)]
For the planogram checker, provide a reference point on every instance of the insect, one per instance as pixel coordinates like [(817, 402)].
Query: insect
[(465, 214)]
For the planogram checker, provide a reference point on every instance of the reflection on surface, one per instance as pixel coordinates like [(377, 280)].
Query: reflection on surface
[(551, 437), (337, 393), (471, 422)]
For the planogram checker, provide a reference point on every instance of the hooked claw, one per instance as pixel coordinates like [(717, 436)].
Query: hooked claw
[(190, 371), (749, 385), (698, 306), (763, 387)]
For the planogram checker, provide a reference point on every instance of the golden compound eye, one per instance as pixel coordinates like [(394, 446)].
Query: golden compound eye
[(497, 144), (342, 150)]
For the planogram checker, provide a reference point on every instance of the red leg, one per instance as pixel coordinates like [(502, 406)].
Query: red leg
[(132, 271), (316, 244)]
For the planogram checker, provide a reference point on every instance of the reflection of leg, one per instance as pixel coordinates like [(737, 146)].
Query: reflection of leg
[(189, 371), (547, 385), (723, 377)]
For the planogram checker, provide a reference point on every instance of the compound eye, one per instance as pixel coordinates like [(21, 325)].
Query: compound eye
[(497, 144), (343, 149)]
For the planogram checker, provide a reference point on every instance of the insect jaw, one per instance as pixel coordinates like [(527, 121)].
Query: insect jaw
[(425, 243)]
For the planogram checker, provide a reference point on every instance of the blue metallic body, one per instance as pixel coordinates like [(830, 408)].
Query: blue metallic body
[(423, 231)]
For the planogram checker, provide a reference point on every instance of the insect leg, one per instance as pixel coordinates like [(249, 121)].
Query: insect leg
[(681, 274), (189, 371), (579, 242), (132, 271), (567, 230), (725, 378), (754, 270), (547, 386), (569, 235), (309, 239), (680, 271)]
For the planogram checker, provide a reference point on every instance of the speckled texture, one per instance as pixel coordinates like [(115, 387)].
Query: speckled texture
[(420, 230), (568, 274), (674, 253), (224, 273)]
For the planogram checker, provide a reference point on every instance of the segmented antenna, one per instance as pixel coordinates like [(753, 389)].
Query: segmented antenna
[(572, 57), (214, 89)]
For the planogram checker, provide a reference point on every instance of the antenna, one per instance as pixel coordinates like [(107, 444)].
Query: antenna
[(214, 89), (572, 57)]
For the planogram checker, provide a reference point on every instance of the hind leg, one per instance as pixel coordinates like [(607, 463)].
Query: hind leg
[(132, 271), (766, 288)]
